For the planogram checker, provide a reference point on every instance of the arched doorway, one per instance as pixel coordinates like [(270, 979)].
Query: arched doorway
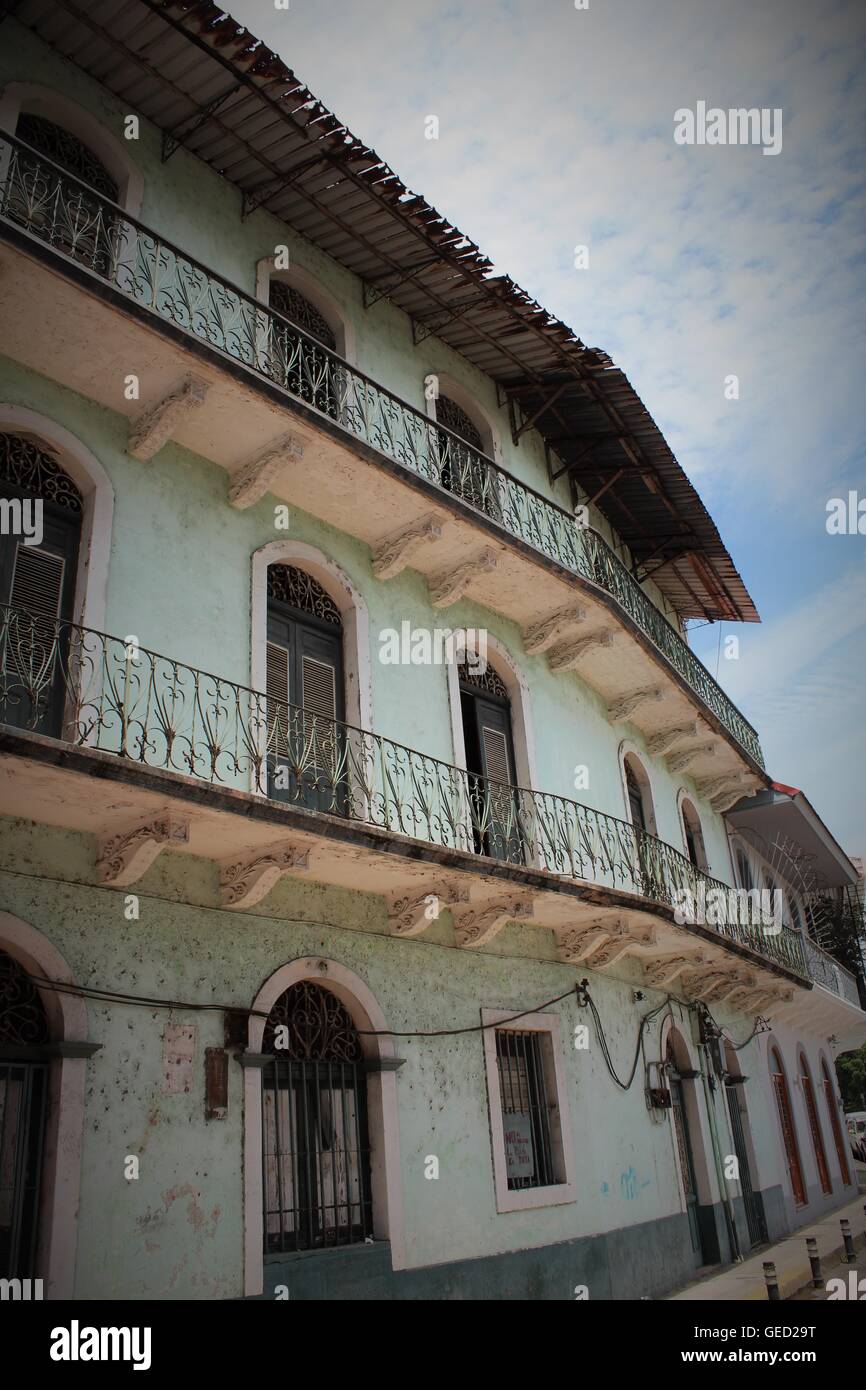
[(678, 1079), (838, 1139), (488, 742), (815, 1126), (641, 813), (316, 1146), (693, 835), (38, 565), (305, 691), (24, 1064), (739, 1117), (786, 1121)]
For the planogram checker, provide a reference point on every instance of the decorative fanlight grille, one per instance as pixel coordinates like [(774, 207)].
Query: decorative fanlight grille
[(28, 467), (299, 590), (290, 302), (22, 1017), (65, 149), (487, 681), (450, 414), (317, 1027)]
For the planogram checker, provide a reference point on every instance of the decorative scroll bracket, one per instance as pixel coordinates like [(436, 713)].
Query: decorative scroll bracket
[(448, 588), (662, 973), (622, 709), (155, 426), (575, 946), (712, 786), (246, 881), (569, 657), (392, 555), (411, 911), (663, 742), (678, 762), (478, 924), (254, 478), (124, 857), (632, 942), (553, 629)]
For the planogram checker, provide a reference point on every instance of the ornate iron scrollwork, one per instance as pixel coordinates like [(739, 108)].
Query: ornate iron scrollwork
[(488, 681), (27, 466), (319, 1028), (453, 417), (22, 1017), (290, 302), (65, 149), (301, 591)]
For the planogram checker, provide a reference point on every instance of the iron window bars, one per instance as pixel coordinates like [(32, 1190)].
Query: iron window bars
[(526, 1109), (42, 201), (159, 712)]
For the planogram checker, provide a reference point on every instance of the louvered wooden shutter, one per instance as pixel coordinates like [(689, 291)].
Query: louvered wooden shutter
[(496, 761), (319, 699), (278, 699), (37, 581)]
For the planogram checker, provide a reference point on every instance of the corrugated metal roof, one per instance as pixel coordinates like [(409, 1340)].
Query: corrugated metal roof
[(210, 85)]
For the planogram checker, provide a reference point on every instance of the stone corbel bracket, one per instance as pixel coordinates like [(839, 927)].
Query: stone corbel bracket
[(122, 858), (662, 973), (678, 762), (392, 555), (412, 910), (254, 478), (663, 742), (576, 945), (245, 882), (569, 656), (633, 941), (476, 924), (448, 588), (156, 425), (618, 711), (553, 629)]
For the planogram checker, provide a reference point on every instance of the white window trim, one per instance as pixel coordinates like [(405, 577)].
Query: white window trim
[(559, 1193), (626, 749), (85, 470), (109, 148), (684, 795)]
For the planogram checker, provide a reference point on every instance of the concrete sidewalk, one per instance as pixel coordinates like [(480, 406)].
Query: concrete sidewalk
[(746, 1281)]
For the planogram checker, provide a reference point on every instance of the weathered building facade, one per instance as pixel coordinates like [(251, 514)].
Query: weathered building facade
[(336, 960)]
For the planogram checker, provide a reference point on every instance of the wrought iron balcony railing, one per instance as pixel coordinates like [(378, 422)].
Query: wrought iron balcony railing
[(95, 691), (826, 971), (41, 199)]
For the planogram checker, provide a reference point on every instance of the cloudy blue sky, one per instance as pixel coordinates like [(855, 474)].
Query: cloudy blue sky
[(556, 129)]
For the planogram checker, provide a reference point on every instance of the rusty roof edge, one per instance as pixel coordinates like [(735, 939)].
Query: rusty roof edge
[(231, 44)]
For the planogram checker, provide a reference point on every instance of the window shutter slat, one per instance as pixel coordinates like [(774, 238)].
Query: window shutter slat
[(496, 755), (277, 689), (37, 584)]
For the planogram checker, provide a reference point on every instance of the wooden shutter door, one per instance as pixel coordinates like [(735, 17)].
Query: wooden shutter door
[(497, 765), (321, 698), (38, 583)]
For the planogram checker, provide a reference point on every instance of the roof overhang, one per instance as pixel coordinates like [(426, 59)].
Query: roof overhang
[(210, 86), (785, 811)]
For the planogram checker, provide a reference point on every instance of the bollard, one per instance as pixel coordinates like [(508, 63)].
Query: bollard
[(771, 1281), (814, 1261), (850, 1255)]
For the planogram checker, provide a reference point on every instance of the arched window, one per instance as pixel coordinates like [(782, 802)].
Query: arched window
[(489, 746), (43, 509), (693, 835), (682, 1135), (297, 364), (64, 213), (462, 468), (63, 148), (815, 1126), (24, 1063), (786, 1120), (317, 1187), (305, 690), (641, 813), (838, 1139)]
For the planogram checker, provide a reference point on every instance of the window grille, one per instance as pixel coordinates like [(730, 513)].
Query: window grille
[(65, 149), (529, 1158), (290, 302), (26, 466), (317, 1189), (300, 591), (488, 680), (453, 417)]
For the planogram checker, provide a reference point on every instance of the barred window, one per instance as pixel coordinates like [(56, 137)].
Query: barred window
[(530, 1122)]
